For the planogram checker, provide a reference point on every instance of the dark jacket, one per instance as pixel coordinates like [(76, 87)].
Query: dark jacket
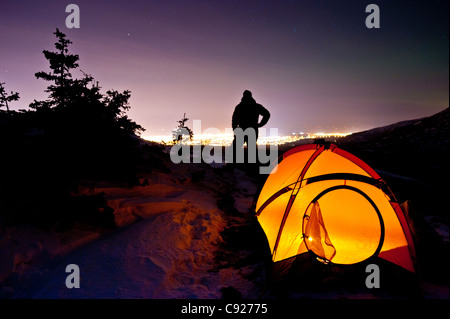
[(246, 114)]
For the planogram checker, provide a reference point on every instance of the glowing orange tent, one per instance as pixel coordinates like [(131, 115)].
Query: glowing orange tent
[(324, 200)]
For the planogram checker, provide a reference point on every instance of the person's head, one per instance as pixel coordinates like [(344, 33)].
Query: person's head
[(247, 97)]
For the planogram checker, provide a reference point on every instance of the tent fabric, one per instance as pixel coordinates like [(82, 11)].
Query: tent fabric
[(316, 234), (325, 200)]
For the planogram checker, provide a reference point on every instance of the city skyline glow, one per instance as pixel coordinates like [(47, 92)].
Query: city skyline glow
[(225, 139)]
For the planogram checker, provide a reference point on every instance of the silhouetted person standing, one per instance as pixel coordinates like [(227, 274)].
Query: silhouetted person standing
[(246, 116)]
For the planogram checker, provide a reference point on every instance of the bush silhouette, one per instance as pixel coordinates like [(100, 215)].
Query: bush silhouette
[(78, 134)]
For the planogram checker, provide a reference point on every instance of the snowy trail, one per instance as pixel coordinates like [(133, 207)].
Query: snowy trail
[(167, 254), (133, 264)]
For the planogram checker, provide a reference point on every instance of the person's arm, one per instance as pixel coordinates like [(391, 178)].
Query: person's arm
[(265, 114), (235, 118)]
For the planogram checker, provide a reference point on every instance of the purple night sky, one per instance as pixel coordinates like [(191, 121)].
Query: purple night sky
[(313, 64)]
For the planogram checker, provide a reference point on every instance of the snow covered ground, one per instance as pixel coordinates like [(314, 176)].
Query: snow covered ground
[(179, 237), (165, 247)]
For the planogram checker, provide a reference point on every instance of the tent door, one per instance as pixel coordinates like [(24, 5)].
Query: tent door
[(316, 236), (337, 230)]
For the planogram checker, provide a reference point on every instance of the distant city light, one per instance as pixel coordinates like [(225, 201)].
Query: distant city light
[(227, 139)]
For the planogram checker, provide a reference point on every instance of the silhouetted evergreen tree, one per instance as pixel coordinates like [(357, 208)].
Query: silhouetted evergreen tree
[(81, 98), (61, 62), (78, 134), (182, 133), (5, 97)]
